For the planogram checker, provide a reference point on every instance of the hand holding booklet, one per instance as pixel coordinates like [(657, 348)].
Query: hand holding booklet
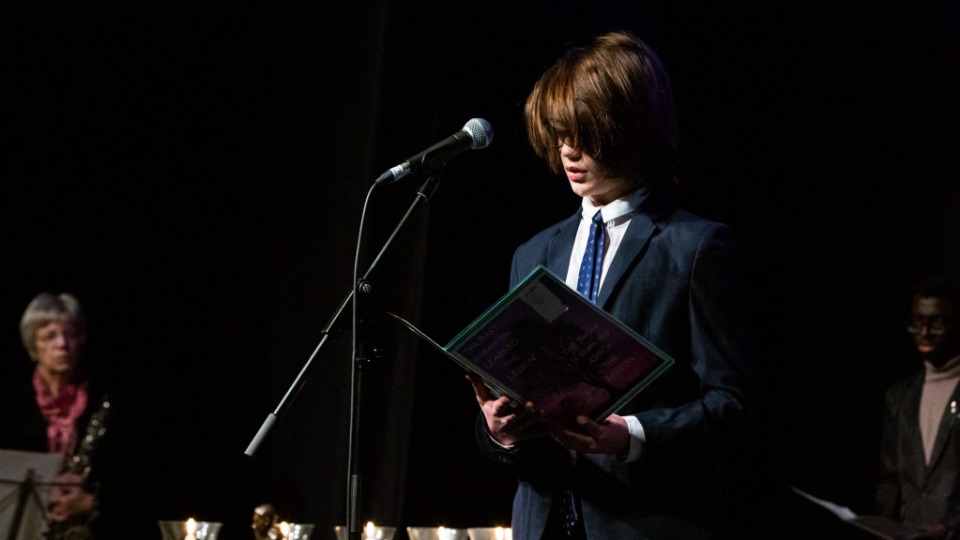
[(544, 343)]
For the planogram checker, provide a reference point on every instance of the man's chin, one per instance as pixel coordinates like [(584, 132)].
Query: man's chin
[(935, 360)]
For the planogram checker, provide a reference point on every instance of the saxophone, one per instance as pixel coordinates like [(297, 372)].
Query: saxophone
[(73, 501)]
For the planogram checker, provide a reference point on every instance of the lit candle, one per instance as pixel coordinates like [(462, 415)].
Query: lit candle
[(191, 529), (370, 531), (284, 529)]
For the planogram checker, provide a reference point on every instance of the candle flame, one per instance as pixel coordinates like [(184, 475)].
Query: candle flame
[(370, 531), (191, 529), (284, 529)]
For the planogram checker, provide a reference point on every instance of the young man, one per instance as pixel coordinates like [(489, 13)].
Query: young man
[(920, 448), (604, 116)]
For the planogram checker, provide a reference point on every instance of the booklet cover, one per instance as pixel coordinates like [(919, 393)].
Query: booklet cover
[(546, 344)]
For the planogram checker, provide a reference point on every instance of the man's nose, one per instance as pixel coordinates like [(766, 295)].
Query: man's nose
[(568, 151)]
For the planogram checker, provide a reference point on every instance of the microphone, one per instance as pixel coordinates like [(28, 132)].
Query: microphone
[(476, 134)]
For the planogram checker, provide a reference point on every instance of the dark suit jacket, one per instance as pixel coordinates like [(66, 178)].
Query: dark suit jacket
[(673, 281), (909, 489)]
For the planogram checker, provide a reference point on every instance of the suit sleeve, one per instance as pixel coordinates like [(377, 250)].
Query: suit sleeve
[(719, 357)]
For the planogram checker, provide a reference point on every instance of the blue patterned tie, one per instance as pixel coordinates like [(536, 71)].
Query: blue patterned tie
[(588, 284)]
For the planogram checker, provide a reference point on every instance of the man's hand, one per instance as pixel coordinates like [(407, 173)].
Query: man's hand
[(610, 436), (932, 531), (68, 498), (506, 423)]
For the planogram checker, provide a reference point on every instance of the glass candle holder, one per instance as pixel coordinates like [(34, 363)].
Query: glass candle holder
[(189, 530), (490, 533), (369, 532), (436, 533), (296, 531)]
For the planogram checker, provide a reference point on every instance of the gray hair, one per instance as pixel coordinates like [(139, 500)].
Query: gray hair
[(46, 308)]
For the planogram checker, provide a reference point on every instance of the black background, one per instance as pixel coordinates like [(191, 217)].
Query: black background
[(195, 173)]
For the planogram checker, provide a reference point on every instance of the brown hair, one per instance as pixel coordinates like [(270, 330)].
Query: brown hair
[(612, 101)]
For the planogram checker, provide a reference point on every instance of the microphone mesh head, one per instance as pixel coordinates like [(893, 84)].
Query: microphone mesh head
[(480, 131)]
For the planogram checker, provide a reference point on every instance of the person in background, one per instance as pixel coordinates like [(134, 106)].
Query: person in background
[(58, 409), (920, 449), (604, 116)]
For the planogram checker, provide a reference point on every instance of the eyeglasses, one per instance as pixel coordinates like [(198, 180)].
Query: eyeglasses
[(50, 334), (564, 139), (936, 326)]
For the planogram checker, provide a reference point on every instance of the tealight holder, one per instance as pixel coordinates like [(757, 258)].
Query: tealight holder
[(189, 530), (370, 532), (490, 533), (296, 531), (436, 533)]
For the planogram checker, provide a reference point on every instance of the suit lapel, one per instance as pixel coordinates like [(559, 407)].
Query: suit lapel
[(642, 226), (910, 420), (558, 250), (638, 233), (945, 430)]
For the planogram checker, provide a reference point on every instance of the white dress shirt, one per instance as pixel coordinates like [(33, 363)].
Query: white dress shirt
[(616, 219)]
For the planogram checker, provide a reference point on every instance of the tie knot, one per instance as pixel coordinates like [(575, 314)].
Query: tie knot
[(598, 218)]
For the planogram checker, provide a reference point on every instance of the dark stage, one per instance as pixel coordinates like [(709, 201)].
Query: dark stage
[(195, 172)]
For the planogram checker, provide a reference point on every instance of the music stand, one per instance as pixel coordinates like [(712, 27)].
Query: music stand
[(25, 480)]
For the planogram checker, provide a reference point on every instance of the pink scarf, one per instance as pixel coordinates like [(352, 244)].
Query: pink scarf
[(61, 413)]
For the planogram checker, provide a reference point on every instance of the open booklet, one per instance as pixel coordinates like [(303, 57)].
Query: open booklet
[(879, 526), (544, 343)]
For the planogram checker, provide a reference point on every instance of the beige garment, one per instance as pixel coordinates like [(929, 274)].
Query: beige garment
[(938, 386)]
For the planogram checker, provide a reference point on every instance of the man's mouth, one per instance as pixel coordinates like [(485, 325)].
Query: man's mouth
[(575, 174)]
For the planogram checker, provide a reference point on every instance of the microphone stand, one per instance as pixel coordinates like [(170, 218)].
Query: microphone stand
[(361, 285)]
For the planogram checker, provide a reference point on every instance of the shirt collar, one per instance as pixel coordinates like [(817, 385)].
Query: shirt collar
[(618, 211), (950, 368)]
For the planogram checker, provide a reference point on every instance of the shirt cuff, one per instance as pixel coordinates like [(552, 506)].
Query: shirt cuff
[(498, 444), (637, 439)]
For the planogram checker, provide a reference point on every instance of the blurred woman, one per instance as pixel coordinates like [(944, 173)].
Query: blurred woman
[(58, 409)]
